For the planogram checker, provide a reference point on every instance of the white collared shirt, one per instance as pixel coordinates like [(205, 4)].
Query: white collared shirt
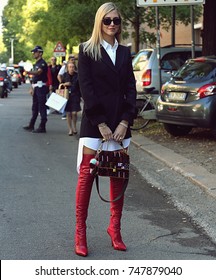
[(111, 50)]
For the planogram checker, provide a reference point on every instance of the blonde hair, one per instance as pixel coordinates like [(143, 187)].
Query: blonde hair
[(92, 46)]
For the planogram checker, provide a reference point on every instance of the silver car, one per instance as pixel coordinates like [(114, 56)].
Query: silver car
[(14, 76), (189, 99), (145, 66)]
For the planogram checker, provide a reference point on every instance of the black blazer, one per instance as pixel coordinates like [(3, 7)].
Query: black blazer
[(108, 91)]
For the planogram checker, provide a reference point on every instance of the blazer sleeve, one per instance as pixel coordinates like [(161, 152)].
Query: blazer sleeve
[(93, 108), (129, 106)]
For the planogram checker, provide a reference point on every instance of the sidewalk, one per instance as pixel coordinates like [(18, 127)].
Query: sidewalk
[(191, 188), (184, 166)]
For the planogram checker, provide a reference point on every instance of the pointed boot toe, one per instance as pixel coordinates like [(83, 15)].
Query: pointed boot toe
[(81, 250)]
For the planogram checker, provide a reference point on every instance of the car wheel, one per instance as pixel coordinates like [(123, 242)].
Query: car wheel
[(177, 130)]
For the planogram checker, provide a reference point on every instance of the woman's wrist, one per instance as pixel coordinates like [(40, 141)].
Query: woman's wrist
[(102, 125), (124, 124)]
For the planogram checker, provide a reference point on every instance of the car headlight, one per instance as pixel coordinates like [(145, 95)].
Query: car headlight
[(160, 107)]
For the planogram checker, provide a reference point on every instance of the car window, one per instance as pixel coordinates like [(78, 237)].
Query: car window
[(173, 61), (197, 71), (11, 71), (141, 59)]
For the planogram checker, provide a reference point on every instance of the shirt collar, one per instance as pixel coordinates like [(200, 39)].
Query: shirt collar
[(108, 46)]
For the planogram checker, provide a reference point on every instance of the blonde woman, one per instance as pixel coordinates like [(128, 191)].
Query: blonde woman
[(107, 87)]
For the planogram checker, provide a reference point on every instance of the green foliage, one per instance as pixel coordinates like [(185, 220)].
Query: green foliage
[(44, 22)]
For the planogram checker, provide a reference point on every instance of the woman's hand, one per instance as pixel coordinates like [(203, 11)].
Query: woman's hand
[(120, 132), (105, 131)]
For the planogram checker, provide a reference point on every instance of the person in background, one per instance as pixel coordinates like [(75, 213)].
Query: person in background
[(108, 90), (4, 73), (49, 86), (38, 92), (70, 80), (49, 80), (63, 69), (55, 68)]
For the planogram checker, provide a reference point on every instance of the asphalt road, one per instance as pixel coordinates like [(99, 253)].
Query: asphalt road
[(37, 193)]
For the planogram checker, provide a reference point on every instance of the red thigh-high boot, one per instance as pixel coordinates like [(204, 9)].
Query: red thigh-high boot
[(114, 228), (83, 193)]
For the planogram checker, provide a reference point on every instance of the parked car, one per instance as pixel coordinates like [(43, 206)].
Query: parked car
[(22, 72), (17, 71), (189, 99), (145, 66), (14, 76)]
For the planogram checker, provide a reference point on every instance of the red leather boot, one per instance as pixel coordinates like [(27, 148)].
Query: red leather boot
[(83, 193), (114, 229)]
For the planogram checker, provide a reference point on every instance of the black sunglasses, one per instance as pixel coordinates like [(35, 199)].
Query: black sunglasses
[(108, 20)]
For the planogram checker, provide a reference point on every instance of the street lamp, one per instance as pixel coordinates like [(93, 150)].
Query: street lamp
[(12, 51)]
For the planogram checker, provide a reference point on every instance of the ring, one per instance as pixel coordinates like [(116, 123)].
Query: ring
[(120, 138)]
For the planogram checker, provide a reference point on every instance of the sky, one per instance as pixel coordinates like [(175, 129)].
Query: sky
[(2, 4)]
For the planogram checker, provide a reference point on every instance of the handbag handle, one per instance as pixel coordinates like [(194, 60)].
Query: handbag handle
[(118, 197), (101, 144), (60, 86)]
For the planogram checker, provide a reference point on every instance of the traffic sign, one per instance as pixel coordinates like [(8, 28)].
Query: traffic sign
[(59, 49), (142, 3)]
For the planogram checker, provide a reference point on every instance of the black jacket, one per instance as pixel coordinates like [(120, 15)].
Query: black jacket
[(108, 91)]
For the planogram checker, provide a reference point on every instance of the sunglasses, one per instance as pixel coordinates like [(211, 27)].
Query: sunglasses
[(108, 20)]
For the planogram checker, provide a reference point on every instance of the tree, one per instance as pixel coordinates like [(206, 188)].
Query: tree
[(140, 17), (12, 28), (44, 22)]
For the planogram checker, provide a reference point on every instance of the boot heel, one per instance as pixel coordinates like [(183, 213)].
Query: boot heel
[(116, 240)]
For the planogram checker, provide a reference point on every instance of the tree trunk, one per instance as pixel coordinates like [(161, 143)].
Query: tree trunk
[(209, 28), (137, 29)]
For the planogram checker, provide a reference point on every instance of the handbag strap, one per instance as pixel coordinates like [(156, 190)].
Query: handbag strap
[(60, 86), (118, 197)]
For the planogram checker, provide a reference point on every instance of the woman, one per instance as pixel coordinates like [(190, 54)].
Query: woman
[(108, 89), (70, 80)]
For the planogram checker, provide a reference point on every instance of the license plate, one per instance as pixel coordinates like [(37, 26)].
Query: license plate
[(13, 79), (177, 96), (1, 83)]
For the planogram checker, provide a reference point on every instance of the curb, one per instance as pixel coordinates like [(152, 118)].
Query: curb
[(195, 173)]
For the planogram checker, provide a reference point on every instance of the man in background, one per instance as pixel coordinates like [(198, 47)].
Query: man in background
[(38, 92), (55, 68)]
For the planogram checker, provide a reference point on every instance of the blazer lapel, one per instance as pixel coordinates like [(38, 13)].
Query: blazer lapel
[(119, 57), (107, 60)]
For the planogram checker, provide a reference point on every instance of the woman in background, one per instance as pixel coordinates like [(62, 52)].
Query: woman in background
[(70, 80)]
